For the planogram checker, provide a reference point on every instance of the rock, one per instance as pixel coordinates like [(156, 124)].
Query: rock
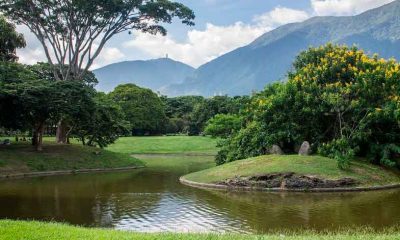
[(288, 180), (275, 149), (305, 149)]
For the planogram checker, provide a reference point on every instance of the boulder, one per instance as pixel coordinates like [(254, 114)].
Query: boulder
[(275, 149), (305, 149)]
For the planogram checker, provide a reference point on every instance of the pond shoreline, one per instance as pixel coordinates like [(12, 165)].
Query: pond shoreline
[(65, 172), (259, 189)]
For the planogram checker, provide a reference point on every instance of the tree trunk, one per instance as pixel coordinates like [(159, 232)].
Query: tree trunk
[(34, 137), (39, 145), (37, 138), (62, 130)]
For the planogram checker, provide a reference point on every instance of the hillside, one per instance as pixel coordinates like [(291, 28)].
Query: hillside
[(270, 56), (154, 74)]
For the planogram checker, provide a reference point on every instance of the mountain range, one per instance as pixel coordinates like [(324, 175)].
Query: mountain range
[(266, 59), (155, 74)]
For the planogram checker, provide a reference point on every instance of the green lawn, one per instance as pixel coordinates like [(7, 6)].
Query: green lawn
[(163, 144), (177, 163), (36, 230), (363, 172), (22, 158)]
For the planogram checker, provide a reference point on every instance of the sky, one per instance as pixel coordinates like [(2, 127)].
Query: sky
[(221, 26)]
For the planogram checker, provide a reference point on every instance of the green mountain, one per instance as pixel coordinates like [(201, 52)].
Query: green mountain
[(154, 74), (269, 57)]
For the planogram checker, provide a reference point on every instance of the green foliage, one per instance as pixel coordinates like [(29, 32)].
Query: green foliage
[(210, 107), (10, 40), (31, 99), (179, 111), (141, 107), (340, 150), (190, 114), (223, 125), (100, 122), (338, 98)]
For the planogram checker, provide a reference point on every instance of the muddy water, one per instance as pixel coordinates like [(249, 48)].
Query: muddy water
[(152, 199)]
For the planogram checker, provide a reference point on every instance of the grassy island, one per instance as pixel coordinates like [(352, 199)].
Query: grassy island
[(316, 167)]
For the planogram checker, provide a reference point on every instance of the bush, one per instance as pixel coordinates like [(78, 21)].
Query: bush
[(343, 101)]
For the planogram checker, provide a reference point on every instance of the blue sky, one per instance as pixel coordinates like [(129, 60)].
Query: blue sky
[(221, 26)]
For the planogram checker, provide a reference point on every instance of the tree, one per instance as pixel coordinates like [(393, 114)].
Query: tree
[(11, 74), (100, 122), (210, 107), (10, 40), (73, 33), (343, 101), (142, 108), (223, 125), (178, 111)]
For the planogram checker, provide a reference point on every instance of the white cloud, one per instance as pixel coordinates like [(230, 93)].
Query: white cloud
[(214, 41), (280, 16), (34, 52), (200, 46), (107, 56), (345, 7)]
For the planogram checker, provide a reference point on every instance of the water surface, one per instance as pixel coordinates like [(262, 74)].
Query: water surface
[(152, 200)]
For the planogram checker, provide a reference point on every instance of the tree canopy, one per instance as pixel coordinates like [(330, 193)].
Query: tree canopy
[(141, 107), (343, 101), (73, 33), (10, 41)]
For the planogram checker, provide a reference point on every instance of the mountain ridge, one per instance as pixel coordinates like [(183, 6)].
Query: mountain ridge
[(265, 60), (269, 57), (155, 74)]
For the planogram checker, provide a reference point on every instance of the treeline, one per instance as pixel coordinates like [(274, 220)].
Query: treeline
[(150, 114), (32, 102), (35, 102), (341, 100)]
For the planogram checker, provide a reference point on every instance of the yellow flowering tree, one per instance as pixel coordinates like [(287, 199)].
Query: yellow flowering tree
[(339, 98)]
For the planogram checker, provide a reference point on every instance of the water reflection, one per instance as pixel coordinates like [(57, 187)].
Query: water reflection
[(151, 200)]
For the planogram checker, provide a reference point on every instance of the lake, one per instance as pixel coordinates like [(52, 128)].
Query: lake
[(153, 200)]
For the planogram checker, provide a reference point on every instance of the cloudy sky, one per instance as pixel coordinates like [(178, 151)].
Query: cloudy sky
[(221, 26)]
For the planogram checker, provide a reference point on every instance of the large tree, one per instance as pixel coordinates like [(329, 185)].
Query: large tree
[(341, 100), (74, 32), (10, 41), (142, 108)]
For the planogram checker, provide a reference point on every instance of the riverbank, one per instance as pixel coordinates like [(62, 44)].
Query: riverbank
[(21, 159), (39, 230), (293, 173)]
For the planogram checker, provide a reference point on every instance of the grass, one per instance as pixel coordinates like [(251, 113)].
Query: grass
[(38, 230), (180, 164), (165, 145), (365, 173), (22, 158)]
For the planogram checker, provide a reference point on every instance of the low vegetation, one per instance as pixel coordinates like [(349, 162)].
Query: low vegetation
[(22, 158), (364, 173), (38, 230), (163, 144)]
